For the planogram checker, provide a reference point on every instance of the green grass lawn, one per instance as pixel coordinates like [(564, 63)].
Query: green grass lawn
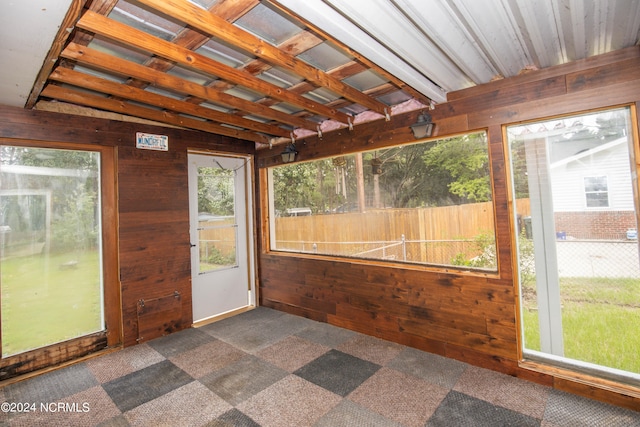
[(600, 320), (44, 302)]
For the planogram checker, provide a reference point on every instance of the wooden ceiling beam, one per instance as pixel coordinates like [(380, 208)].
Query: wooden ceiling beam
[(97, 84), (122, 107), (192, 40), (122, 67), (211, 24), (132, 37)]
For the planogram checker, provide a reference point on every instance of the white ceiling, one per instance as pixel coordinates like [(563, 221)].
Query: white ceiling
[(27, 30), (435, 46)]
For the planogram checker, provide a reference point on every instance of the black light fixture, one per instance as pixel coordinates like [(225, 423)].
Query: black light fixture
[(423, 128), (289, 153)]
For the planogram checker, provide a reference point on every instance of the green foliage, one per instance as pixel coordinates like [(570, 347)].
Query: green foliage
[(43, 303), (436, 173), (600, 319), (466, 160), (77, 227), (70, 178), (215, 191), (484, 250), (216, 257)]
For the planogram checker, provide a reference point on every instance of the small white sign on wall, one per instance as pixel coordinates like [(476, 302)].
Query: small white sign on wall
[(149, 141)]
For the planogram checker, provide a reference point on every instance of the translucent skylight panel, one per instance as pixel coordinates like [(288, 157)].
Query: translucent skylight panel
[(205, 4), (365, 80), (100, 74), (190, 75), (285, 107), (280, 77), (215, 107), (394, 98), (165, 93), (84, 90), (353, 109), (325, 56), (105, 46), (268, 24), (224, 54), (144, 20), (322, 95), (244, 93)]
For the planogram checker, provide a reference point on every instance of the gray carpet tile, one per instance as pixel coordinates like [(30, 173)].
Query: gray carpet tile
[(292, 401), (325, 334), (292, 353), (570, 410), (146, 384), (338, 372), (459, 409), (233, 418), (258, 334), (350, 414), (372, 349), (403, 398), (190, 405), (241, 380), (503, 390), (118, 421), (271, 369), (431, 367), (174, 344), (52, 386)]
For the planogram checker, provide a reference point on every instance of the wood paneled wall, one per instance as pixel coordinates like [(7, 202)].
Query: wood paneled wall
[(470, 317), (152, 211)]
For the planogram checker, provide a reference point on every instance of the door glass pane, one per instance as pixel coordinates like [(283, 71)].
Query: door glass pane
[(51, 261), (577, 239), (217, 227)]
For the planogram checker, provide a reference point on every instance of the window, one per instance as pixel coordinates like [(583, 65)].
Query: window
[(596, 191), (578, 267), (424, 203), (51, 271)]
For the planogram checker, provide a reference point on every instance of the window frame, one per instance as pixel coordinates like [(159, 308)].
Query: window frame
[(269, 208), (587, 192), (112, 336)]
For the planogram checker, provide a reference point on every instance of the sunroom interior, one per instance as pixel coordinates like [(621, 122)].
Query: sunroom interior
[(455, 176)]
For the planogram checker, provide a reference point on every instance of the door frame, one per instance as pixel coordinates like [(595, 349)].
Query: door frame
[(112, 336), (250, 224)]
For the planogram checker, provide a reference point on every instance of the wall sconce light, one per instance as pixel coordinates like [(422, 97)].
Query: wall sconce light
[(423, 127), (289, 153)]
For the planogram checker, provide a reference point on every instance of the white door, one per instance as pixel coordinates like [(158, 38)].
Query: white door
[(220, 227)]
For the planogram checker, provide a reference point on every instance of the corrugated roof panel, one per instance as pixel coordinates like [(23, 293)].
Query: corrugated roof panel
[(365, 80), (205, 4), (394, 98), (285, 107), (190, 75), (280, 77), (118, 50), (268, 24), (144, 20), (244, 93), (100, 74), (224, 54), (322, 95), (325, 56)]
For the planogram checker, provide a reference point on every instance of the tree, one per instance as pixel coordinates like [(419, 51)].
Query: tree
[(466, 160)]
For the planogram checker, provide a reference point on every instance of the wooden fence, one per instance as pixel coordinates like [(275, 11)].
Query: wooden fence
[(426, 235)]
